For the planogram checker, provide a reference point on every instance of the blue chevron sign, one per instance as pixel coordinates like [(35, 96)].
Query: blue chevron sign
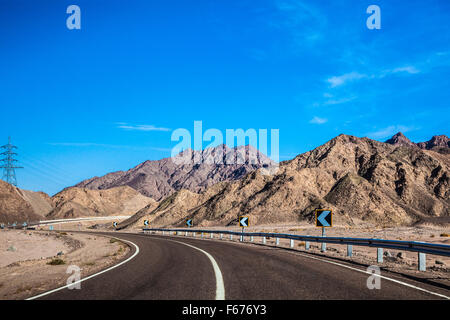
[(243, 221), (324, 218), (115, 224), (146, 222), (189, 223)]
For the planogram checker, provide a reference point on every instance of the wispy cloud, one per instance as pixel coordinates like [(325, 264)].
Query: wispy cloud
[(104, 145), (81, 144), (140, 127), (339, 101), (305, 23), (336, 81), (317, 120), (407, 69), (341, 80), (389, 131)]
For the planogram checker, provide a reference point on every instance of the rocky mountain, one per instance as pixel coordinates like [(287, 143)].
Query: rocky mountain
[(17, 205), (439, 144), (400, 139), (191, 170), (81, 202), (359, 178)]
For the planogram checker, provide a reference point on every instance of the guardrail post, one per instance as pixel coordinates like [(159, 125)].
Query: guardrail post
[(251, 238), (185, 234), (380, 255), (292, 243), (193, 234), (221, 236), (306, 245), (349, 250), (277, 241), (163, 232), (264, 240), (202, 235), (324, 245), (422, 261), (212, 235), (231, 237)]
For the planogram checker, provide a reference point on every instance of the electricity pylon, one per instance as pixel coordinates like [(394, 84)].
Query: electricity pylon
[(8, 163)]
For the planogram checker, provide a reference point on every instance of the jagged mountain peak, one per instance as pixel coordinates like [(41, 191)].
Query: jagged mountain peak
[(194, 170), (400, 139)]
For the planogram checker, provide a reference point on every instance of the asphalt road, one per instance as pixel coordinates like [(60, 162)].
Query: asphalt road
[(166, 268)]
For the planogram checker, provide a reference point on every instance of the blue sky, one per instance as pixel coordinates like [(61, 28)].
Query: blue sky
[(81, 103)]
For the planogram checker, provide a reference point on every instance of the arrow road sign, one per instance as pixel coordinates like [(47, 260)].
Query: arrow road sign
[(243, 221), (324, 218), (115, 224), (189, 223), (146, 222), (24, 224)]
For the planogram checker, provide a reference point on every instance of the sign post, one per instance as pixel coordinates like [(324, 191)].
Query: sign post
[(243, 222), (324, 219)]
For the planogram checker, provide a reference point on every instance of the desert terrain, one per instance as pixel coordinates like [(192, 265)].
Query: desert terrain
[(32, 262)]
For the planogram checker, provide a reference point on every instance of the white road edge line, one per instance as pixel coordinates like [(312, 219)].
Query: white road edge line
[(93, 275), (220, 288), (382, 277)]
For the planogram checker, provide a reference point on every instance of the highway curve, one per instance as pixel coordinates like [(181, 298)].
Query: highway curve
[(166, 268)]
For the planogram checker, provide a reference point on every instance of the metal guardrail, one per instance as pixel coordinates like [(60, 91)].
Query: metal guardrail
[(421, 248), (59, 221)]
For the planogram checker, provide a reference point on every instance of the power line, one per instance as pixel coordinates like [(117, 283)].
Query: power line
[(8, 163)]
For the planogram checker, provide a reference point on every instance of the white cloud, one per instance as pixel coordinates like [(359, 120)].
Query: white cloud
[(337, 81), (408, 69), (339, 101), (317, 120), (140, 127), (103, 145), (340, 80), (389, 131)]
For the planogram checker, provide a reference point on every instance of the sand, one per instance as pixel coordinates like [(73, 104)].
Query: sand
[(26, 272)]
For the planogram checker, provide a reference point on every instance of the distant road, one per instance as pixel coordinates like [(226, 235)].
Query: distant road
[(180, 268), (85, 219)]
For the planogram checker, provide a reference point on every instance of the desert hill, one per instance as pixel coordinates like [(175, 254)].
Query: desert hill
[(158, 179), (17, 205), (80, 202), (359, 178)]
